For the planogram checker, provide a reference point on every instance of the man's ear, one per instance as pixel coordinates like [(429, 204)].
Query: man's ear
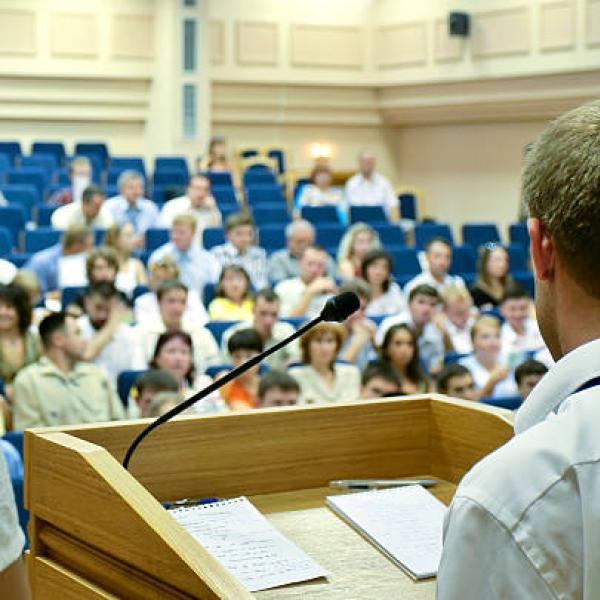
[(542, 250)]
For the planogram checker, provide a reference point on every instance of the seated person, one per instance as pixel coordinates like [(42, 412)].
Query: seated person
[(284, 263), (456, 380), (492, 277), (358, 241), (14, 462), (401, 351), (277, 388), (174, 353), (240, 249), (146, 386), (305, 295), (422, 307), (145, 306), (320, 192), (265, 320), (163, 402), (91, 211), (60, 389), (242, 392), (80, 177), (387, 297), (456, 319), (380, 380), (29, 282), (438, 255), (233, 296), (323, 380), (217, 160), (491, 373), (527, 375)]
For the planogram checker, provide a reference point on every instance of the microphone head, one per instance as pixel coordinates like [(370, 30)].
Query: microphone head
[(340, 307)]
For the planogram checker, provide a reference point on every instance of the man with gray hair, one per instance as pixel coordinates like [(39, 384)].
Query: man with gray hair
[(130, 206), (283, 264), (525, 521)]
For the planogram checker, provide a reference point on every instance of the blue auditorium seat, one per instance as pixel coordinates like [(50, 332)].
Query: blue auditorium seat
[(43, 161), (213, 236), (408, 206), (518, 234), (464, 260), (13, 217), (98, 149), (219, 178), (300, 183), (453, 357), (525, 278), (19, 260), (35, 176), (510, 402), (5, 165), (329, 234), (272, 237), (70, 293), (25, 194), (62, 179), (425, 231), (406, 264), (262, 194), (228, 209), (478, 234), (44, 214), (258, 176), (279, 156), (99, 235), (517, 257), (168, 163), (390, 234), (368, 214), (6, 241), (138, 291), (208, 293), (170, 177), (156, 237), (272, 214), (320, 214), (249, 153), (55, 148), (13, 149), (218, 328), (125, 381), (224, 194), (125, 163), (41, 238)]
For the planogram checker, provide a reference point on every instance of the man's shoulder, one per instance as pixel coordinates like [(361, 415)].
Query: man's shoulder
[(289, 284), (31, 372), (279, 255), (148, 205)]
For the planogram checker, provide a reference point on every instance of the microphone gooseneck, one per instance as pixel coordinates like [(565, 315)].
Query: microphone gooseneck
[(338, 308)]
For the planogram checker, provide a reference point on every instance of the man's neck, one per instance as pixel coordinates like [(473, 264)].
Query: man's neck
[(519, 327), (172, 326), (439, 277), (132, 203), (60, 359)]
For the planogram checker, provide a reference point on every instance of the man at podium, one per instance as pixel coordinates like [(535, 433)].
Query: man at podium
[(525, 521)]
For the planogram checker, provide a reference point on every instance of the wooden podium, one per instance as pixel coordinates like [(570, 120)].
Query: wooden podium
[(98, 531)]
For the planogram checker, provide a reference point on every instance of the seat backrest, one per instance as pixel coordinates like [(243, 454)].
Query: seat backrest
[(329, 234), (405, 262), (6, 241), (218, 328), (170, 177), (408, 206), (125, 381), (510, 402), (258, 176), (517, 257), (55, 148), (478, 234), (156, 237), (279, 156), (389, 234), (426, 231), (320, 214), (464, 260), (271, 237), (224, 194), (179, 163), (13, 149), (13, 217), (518, 234), (220, 178), (269, 215), (213, 236), (261, 194), (135, 163), (368, 214), (70, 293), (25, 194), (41, 238), (100, 149)]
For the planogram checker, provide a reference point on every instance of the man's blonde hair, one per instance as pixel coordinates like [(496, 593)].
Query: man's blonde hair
[(484, 321), (186, 219), (455, 292), (561, 188)]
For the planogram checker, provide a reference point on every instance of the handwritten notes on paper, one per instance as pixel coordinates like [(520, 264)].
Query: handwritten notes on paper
[(247, 545)]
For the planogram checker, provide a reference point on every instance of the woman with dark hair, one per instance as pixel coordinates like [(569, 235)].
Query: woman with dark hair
[(320, 192), (401, 351), (386, 295), (492, 276), (233, 296), (174, 353)]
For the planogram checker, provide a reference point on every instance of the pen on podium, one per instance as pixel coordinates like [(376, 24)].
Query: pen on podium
[(371, 484)]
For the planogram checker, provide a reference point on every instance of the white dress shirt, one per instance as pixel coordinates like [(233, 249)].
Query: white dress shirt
[(290, 291), (12, 539), (254, 262), (427, 278), (515, 345), (146, 310), (525, 521), (460, 337), (505, 388), (71, 214), (391, 302), (375, 191)]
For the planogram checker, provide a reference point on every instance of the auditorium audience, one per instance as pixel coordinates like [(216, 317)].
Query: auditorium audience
[(233, 296), (285, 263), (29, 282), (242, 392), (146, 386), (306, 294), (438, 256), (422, 306), (320, 192), (386, 295), (239, 249), (491, 373), (80, 177), (196, 266), (527, 375), (61, 389), (369, 188), (277, 388), (322, 380), (91, 211), (401, 351), (131, 271), (265, 320), (492, 276), (456, 319), (130, 206), (197, 201), (456, 380), (379, 379), (217, 160), (357, 242)]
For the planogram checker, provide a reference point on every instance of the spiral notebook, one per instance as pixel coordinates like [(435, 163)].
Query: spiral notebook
[(405, 523), (247, 545)]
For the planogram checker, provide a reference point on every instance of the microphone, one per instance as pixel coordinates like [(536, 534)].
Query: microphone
[(338, 308)]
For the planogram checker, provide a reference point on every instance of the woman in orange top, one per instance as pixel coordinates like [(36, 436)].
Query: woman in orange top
[(242, 392)]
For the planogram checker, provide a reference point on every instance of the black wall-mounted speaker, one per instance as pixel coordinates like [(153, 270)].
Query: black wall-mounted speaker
[(459, 23)]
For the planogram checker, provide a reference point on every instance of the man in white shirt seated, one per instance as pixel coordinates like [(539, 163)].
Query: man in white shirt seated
[(91, 211), (197, 201), (369, 188), (196, 266), (306, 294), (271, 330), (438, 254), (456, 319), (422, 306), (525, 521), (111, 343), (520, 333), (285, 263)]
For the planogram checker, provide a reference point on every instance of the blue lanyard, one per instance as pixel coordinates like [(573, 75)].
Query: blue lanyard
[(595, 382)]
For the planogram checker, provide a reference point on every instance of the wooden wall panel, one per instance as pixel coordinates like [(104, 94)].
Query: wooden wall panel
[(501, 32), (401, 45), (557, 26), (327, 46), (257, 43)]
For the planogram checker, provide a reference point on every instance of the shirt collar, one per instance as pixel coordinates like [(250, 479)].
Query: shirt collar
[(567, 375), (49, 368)]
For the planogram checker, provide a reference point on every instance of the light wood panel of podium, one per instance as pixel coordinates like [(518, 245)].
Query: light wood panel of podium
[(98, 531)]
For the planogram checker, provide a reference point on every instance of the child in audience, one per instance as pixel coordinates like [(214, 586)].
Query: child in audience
[(491, 373), (380, 379), (322, 380), (456, 380), (355, 245), (131, 271), (320, 192), (242, 392), (387, 297), (400, 350), (277, 388), (234, 300), (148, 385), (456, 320), (528, 375), (163, 402), (492, 276)]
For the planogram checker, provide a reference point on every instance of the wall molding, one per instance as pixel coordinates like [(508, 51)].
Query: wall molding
[(74, 35), (257, 43), (401, 45), (334, 46), (503, 32), (557, 26), (592, 19), (18, 35), (216, 33)]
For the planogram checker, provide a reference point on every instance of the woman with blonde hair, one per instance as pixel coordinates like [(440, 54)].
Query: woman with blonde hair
[(322, 380), (358, 241), (131, 272), (492, 276)]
